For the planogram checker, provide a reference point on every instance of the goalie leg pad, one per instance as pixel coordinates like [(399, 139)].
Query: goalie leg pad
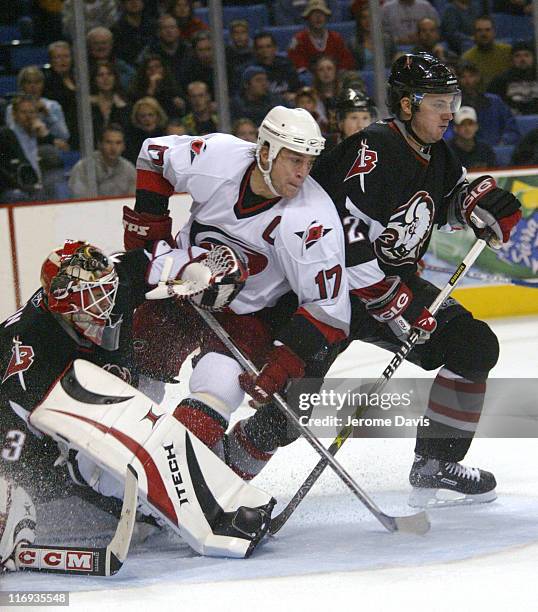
[(17, 522), (185, 483)]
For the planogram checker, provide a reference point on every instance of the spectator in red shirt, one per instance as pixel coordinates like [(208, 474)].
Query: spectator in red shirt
[(316, 39)]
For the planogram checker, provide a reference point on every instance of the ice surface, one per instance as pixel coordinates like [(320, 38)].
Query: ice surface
[(333, 553)]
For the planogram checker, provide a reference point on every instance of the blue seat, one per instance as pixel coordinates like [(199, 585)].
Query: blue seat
[(341, 10), (503, 153), (26, 55), (69, 158), (346, 28), (9, 33), (516, 27), (257, 15), (526, 123), (283, 34), (8, 84)]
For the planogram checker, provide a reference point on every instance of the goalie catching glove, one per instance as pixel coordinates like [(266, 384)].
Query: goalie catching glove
[(211, 279), (282, 365), (487, 206), (388, 300)]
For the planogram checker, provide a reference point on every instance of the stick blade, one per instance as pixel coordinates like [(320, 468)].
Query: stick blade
[(418, 524), (116, 551)]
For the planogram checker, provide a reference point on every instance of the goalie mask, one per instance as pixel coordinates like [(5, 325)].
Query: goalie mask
[(80, 284)]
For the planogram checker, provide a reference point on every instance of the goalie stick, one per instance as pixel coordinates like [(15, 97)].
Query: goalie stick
[(280, 519), (80, 560), (416, 523)]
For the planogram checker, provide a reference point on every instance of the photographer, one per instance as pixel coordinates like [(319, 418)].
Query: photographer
[(20, 174)]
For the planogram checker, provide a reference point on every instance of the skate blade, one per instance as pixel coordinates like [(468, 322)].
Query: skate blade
[(441, 498)]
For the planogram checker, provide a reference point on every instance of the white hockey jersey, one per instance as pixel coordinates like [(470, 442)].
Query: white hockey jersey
[(290, 244)]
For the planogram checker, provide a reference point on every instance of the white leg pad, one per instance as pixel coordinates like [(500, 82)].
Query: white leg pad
[(189, 487)]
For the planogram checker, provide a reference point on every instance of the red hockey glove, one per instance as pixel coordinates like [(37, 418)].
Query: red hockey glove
[(143, 228), (282, 365), (489, 206), (388, 300)]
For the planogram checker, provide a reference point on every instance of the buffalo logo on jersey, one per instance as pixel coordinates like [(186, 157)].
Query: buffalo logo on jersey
[(409, 228), (22, 357), (365, 162), (197, 146), (314, 233)]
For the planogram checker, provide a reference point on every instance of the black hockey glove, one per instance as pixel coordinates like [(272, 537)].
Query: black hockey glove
[(490, 211)]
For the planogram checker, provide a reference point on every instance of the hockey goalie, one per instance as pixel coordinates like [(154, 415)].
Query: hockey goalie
[(70, 419)]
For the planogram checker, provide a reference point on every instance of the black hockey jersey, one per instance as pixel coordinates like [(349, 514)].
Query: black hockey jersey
[(389, 197), (35, 350)]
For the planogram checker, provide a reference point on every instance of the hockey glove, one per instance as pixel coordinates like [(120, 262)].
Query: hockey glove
[(142, 229), (282, 365), (17, 522), (210, 278), (388, 300), (489, 206), (225, 273)]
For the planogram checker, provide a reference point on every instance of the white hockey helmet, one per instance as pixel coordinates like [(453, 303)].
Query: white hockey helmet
[(292, 128)]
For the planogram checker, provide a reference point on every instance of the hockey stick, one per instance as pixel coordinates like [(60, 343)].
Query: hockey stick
[(416, 523), (82, 560), (280, 519), (492, 278)]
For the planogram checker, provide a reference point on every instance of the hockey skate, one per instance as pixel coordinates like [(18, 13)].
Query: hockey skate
[(445, 483)]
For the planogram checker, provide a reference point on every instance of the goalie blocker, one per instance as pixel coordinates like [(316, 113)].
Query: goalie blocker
[(112, 424)]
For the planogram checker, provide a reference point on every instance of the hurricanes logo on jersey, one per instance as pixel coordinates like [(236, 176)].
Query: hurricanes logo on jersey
[(197, 146), (408, 229), (364, 164), (313, 233), (22, 357)]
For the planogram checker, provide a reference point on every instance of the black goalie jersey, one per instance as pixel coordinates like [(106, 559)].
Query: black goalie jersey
[(34, 351), (389, 197)]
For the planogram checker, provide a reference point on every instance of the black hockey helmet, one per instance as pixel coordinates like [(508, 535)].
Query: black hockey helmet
[(350, 100), (415, 74)]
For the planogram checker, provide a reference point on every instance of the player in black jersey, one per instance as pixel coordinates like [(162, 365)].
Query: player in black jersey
[(392, 183), (83, 310), (354, 112)]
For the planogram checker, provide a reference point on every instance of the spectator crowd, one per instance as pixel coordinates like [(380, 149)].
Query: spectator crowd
[(151, 68)]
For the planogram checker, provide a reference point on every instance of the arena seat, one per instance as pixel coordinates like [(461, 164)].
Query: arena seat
[(526, 123), (8, 84), (516, 27), (503, 153), (346, 28), (257, 15), (283, 34), (9, 33), (26, 55)]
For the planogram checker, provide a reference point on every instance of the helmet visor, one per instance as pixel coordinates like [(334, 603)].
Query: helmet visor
[(441, 103)]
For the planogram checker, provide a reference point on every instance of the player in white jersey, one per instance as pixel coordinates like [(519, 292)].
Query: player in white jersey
[(260, 200)]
